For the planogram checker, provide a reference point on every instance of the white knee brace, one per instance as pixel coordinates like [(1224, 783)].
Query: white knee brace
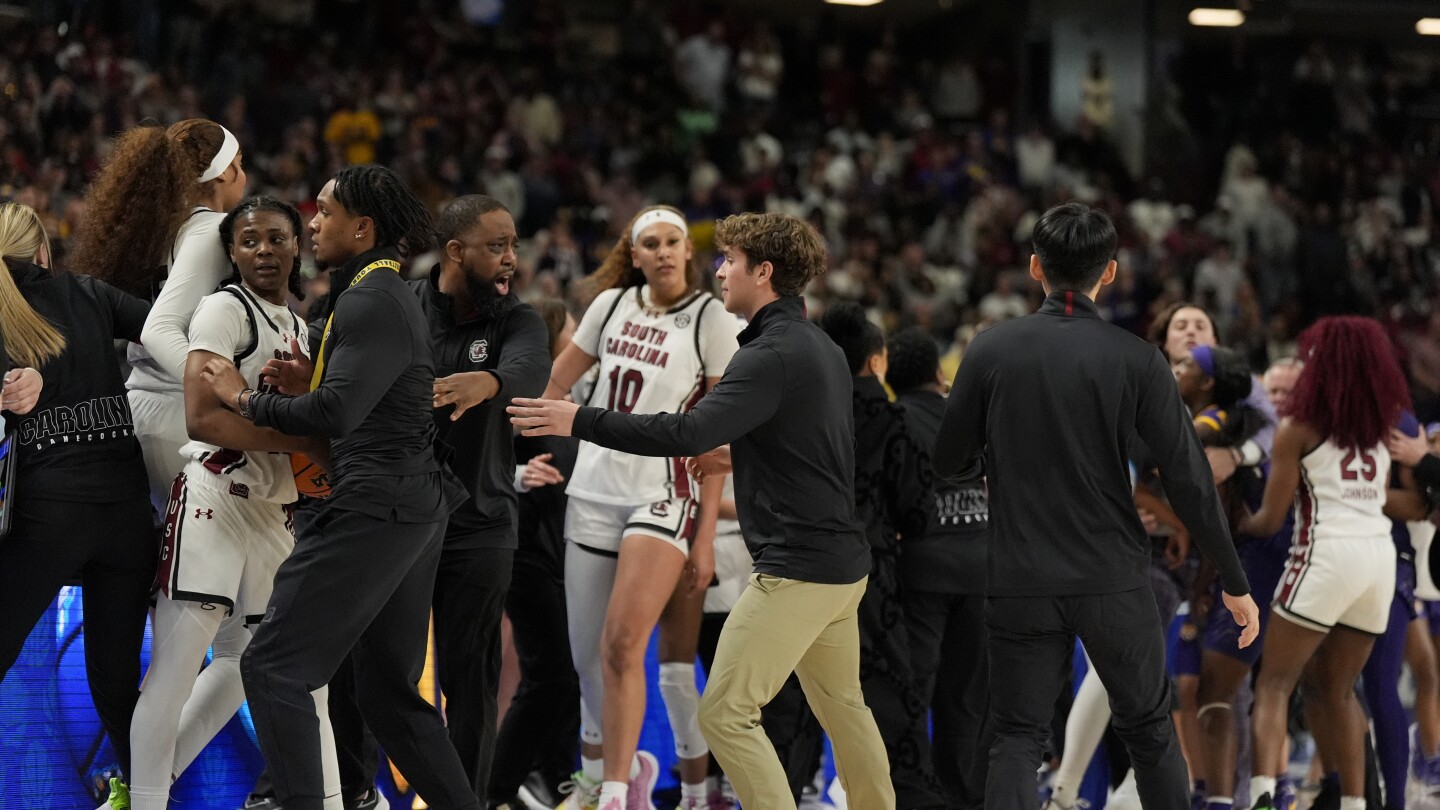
[(682, 705)]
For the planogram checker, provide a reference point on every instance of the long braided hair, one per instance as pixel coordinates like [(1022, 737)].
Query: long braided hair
[(401, 221)]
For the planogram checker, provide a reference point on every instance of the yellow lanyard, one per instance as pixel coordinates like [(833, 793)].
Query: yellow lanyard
[(320, 356)]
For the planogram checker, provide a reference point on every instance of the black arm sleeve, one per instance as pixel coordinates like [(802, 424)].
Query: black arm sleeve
[(1164, 424), (524, 367), (370, 347), (1427, 472), (744, 399), (961, 438), (127, 311)]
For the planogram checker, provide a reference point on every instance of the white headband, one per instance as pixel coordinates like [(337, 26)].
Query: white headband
[(229, 148), (655, 216)]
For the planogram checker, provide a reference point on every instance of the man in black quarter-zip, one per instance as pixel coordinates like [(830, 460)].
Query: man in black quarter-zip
[(784, 403), (1046, 407), (360, 579), (489, 348)]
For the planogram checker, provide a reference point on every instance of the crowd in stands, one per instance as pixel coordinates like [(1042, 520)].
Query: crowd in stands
[(1291, 182)]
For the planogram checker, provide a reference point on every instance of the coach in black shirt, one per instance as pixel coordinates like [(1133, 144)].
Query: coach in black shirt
[(489, 347), (784, 403), (1052, 404)]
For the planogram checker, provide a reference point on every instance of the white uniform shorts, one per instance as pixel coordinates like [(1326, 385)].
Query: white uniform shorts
[(733, 566), (1345, 582), (600, 527), (222, 549)]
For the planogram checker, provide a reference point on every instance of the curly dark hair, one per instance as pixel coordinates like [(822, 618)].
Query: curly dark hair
[(151, 171), (263, 203), (401, 221), (857, 337), (1352, 389), (913, 359)]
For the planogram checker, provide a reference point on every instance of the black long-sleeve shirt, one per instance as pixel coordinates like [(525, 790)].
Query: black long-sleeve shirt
[(949, 557), (78, 442), (374, 401), (784, 407), (1054, 402), (894, 482), (514, 345)]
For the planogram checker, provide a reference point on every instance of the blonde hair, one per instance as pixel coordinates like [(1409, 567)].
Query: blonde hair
[(30, 340)]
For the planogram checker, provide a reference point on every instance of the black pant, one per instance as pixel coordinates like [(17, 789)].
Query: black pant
[(1031, 643), (359, 585), (469, 602), (947, 634), (543, 722), (113, 547)]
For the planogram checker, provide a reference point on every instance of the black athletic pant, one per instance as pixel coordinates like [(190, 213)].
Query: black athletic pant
[(469, 602), (947, 637), (1031, 641), (113, 547), (356, 585), (542, 725)]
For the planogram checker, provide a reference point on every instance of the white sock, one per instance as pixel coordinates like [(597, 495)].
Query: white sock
[(1261, 786), (1063, 796), (1352, 803), (635, 765), (617, 790), (594, 769), (712, 785), (1220, 800), (700, 791)]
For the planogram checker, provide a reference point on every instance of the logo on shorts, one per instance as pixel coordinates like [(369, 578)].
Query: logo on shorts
[(660, 509), (239, 490), (479, 351), (682, 320), (208, 514)]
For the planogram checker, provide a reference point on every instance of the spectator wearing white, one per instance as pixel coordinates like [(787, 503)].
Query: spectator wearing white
[(702, 63), (759, 68), (499, 182), (1003, 302), (1217, 279), (760, 152), (1035, 158), (1153, 215)]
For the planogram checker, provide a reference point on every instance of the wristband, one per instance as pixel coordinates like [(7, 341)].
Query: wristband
[(245, 407)]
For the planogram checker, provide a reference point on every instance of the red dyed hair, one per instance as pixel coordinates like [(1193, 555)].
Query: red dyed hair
[(1352, 389)]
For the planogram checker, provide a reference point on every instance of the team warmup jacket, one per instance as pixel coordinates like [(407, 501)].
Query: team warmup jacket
[(1053, 403), (515, 347), (784, 407)]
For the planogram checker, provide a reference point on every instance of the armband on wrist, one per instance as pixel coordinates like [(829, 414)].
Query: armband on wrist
[(244, 405)]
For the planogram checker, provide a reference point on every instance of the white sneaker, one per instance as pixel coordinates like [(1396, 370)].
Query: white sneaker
[(1125, 797)]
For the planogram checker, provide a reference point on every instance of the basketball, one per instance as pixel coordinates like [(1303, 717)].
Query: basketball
[(311, 480)]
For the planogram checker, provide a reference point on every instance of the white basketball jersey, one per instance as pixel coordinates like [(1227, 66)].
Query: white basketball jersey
[(651, 361), (1342, 494), (239, 325)]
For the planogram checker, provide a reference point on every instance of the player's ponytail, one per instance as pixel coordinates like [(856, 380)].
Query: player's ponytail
[(30, 340)]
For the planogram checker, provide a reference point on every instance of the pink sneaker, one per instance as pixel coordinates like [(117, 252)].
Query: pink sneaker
[(719, 801), (613, 804), (642, 787)]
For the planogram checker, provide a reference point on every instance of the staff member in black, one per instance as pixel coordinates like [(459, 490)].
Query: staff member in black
[(362, 573), (489, 347), (80, 500), (784, 401), (1054, 402), (942, 576)]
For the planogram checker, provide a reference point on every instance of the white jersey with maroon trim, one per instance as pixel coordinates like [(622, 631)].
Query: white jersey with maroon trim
[(239, 325), (651, 361), (1342, 494)]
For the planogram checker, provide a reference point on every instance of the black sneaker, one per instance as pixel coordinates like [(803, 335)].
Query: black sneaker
[(261, 803), (372, 800), (538, 792)]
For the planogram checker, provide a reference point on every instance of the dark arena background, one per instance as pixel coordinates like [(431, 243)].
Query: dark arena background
[(1275, 161)]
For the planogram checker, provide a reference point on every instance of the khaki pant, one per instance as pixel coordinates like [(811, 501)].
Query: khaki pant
[(779, 626)]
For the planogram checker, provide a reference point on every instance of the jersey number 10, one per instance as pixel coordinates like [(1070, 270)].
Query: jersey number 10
[(1369, 469), (625, 389)]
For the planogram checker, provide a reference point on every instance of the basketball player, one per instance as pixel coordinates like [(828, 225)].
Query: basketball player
[(784, 401), (189, 174), (227, 525), (360, 579), (1047, 407), (1335, 595), (661, 342), (84, 508)]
